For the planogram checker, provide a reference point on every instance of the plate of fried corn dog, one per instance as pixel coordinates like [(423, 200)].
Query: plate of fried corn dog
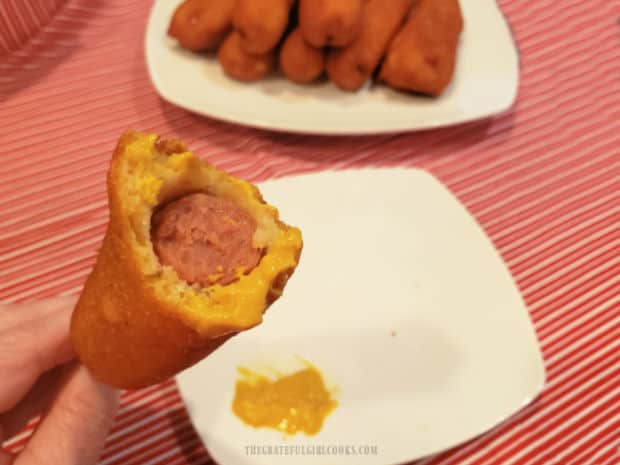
[(334, 66)]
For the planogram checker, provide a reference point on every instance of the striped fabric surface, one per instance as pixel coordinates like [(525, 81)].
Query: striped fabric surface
[(543, 180), (20, 20)]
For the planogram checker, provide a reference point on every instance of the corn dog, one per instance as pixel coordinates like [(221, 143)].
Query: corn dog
[(300, 62), (422, 56), (191, 257), (350, 67), (261, 23), (201, 24), (330, 22), (240, 65)]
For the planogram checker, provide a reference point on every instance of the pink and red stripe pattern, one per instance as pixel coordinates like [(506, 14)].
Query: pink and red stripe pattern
[(21, 19), (542, 179)]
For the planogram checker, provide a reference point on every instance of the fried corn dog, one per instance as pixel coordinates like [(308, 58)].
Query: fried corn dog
[(201, 24), (330, 22), (299, 61), (350, 67), (239, 64), (422, 56), (261, 23), (150, 307)]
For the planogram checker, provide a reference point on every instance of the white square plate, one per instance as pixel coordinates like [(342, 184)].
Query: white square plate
[(403, 303), (485, 83)]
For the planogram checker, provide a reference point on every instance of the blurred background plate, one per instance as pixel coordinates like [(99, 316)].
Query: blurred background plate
[(485, 83), (403, 303)]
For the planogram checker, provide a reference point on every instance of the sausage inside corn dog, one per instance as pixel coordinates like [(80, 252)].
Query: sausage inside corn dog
[(206, 239)]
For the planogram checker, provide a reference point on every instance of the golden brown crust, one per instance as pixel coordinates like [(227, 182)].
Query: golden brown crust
[(122, 333), (261, 24), (333, 23), (201, 24), (300, 62), (352, 66), (242, 66), (121, 329), (422, 56)]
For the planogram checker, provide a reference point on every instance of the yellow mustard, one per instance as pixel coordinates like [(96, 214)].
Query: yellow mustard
[(297, 402)]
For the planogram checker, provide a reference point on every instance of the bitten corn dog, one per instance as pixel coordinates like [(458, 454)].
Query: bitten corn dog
[(191, 257)]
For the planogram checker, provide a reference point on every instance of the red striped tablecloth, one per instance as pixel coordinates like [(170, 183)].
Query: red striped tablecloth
[(542, 179)]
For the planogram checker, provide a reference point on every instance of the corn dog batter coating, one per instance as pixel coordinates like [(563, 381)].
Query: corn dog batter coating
[(240, 65), (201, 24), (261, 23), (352, 66), (422, 56), (330, 22), (299, 61)]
